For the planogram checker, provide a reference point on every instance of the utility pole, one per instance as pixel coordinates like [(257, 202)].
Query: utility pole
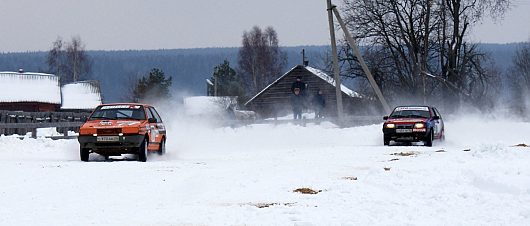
[(357, 52), (336, 71), (215, 85)]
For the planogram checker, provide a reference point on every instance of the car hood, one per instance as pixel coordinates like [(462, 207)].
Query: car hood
[(112, 123), (405, 120)]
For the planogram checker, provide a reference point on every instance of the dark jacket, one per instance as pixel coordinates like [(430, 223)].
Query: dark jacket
[(297, 102), (319, 101), (300, 85)]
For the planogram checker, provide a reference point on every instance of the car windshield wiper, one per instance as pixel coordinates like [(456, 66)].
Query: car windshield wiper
[(101, 117), (416, 116)]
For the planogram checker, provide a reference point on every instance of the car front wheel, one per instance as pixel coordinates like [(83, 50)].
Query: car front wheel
[(84, 153), (142, 151), (428, 140), (386, 140)]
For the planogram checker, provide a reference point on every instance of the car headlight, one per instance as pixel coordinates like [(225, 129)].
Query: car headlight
[(390, 125), (419, 125)]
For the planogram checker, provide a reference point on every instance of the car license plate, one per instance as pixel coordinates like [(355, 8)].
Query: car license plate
[(403, 130), (108, 139)]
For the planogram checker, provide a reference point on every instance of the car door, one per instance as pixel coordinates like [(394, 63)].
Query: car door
[(440, 122), (160, 124), (153, 130), (157, 128), (438, 125)]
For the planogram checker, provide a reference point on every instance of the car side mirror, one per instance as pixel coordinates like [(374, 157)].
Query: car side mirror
[(152, 120), (436, 117), (385, 117)]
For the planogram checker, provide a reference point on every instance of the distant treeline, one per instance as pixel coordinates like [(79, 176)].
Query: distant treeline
[(189, 67)]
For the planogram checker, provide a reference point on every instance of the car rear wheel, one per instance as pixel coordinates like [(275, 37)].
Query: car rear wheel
[(162, 148), (84, 153), (428, 140), (142, 151)]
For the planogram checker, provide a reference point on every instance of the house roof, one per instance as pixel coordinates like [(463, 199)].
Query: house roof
[(84, 95), (316, 72), (29, 87)]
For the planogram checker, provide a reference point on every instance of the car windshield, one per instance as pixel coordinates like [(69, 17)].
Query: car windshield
[(112, 112), (411, 112)]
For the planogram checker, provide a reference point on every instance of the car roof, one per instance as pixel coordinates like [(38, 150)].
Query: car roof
[(414, 106), (112, 104)]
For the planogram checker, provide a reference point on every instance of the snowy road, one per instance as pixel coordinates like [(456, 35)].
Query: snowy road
[(222, 176)]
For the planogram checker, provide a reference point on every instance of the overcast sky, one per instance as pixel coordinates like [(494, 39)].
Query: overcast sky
[(31, 25)]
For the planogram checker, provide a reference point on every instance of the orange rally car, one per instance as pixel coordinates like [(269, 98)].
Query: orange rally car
[(123, 128)]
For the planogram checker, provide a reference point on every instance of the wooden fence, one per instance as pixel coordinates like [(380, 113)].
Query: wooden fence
[(15, 122)]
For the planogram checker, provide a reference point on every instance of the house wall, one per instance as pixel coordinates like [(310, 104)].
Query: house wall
[(29, 107)]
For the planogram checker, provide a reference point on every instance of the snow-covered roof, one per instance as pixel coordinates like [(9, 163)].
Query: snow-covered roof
[(29, 87), (84, 95), (207, 105), (331, 81), (316, 72)]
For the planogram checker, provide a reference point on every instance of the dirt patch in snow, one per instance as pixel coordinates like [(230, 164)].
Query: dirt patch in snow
[(306, 191), (265, 205), (349, 178), (406, 153)]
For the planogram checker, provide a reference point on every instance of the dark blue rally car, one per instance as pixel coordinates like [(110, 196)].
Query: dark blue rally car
[(413, 124)]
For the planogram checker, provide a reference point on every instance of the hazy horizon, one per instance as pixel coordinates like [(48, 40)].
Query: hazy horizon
[(165, 24)]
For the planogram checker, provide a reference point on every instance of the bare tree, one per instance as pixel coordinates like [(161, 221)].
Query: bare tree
[(56, 58), (69, 60), (260, 58), (519, 75), (419, 47), (77, 59)]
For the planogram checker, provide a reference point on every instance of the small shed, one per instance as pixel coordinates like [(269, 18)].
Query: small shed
[(274, 100), (208, 106), (83, 96), (31, 92)]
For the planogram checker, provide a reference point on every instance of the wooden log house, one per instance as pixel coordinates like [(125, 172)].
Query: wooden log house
[(30, 92), (274, 100)]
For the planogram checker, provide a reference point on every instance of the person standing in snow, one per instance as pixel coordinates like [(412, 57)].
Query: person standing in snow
[(297, 102), (319, 103), (298, 84)]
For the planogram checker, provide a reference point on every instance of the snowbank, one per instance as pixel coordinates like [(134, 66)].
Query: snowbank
[(246, 176)]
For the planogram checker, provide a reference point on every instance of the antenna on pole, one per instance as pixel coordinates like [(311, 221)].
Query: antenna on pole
[(304, 61)]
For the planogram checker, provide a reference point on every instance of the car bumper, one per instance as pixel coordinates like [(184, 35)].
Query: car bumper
[(127, 144), (411, 135)]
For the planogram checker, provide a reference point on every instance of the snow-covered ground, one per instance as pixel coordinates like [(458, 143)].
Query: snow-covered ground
[(247, 176)]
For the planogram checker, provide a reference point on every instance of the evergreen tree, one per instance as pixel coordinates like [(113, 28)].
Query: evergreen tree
[(154, 86), (225, 81)]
